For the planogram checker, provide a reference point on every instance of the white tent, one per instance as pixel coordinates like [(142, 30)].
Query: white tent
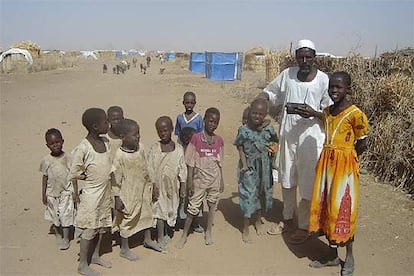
[(92, 54), (13, 51)]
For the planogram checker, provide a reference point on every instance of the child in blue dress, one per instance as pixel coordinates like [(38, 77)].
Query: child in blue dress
[(255, 141)]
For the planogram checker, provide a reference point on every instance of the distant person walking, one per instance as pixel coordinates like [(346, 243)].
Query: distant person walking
[(148, 61)]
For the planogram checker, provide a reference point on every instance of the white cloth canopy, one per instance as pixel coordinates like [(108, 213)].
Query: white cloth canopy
[(87, 54), (23, 52)]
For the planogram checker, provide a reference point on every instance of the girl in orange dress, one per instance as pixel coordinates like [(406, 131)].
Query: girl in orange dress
[(335, 195)]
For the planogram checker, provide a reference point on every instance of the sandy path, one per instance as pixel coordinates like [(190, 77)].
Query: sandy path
[(30, 104)]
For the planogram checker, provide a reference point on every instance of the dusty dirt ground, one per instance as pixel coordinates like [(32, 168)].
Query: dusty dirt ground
[(32, 103)]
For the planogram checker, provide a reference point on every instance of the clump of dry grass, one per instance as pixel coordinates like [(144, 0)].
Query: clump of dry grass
[(52, 61), (391, 155)]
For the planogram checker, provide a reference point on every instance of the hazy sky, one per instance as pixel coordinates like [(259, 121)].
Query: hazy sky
[(337, 27)]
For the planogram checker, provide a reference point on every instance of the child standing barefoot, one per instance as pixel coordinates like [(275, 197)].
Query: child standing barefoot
[(205, 178), (56, 189), (189, 119), (169, 173), (115, 114), (254, 143), (133, 190), (185, 138), (336, 188), (91, 162)]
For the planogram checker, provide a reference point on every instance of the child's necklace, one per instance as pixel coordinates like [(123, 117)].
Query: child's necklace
[(209, 139), (128, 150)]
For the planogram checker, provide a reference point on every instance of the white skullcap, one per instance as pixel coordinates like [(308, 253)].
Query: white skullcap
[(305, 43)]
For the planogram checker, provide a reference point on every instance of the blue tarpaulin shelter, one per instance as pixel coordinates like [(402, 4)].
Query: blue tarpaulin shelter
[(224, 66), (119, 54), (170, 56), (198, 62)]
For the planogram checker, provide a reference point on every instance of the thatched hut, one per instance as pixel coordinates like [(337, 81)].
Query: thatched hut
[(254, 59), (32, 47), (182, 55)]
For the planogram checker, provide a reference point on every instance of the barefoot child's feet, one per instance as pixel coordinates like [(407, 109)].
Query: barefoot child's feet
[(208, 238), (88, 271), (59, 239), (259, 228), (129, 255), (181, 242), (101, 262), (155, 246), (246, 236), (64, 245)]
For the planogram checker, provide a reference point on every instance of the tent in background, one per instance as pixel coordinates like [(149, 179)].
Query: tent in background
[(17, 51), (224, 66), (90, 54), (170, 56), (15, 59), (133, 52), (119, 54), (198, 62)]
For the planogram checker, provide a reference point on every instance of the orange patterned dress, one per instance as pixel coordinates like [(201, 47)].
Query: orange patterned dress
[(335, 194)]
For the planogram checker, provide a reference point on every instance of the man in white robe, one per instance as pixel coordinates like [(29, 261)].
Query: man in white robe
[(301, 134)]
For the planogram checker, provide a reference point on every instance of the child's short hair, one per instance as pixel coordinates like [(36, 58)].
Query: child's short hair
[(186, 132), (91, 116), (125, 126), (189, 93), (212, 110), (113, 109), (344, 75), (163, 119), (246, 112), (54, 131), (262, 101)]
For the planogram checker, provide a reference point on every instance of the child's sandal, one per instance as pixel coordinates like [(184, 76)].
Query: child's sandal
[(318, 264), (276, 229)]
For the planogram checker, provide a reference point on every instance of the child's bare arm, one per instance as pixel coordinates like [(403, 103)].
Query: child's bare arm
[(119, 205), (221, 181), (360, 146), (116, 188), (80, 177), (190, 178), (243, 158), (155, 192), (182, 190), (75, 191), (44, 186)]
